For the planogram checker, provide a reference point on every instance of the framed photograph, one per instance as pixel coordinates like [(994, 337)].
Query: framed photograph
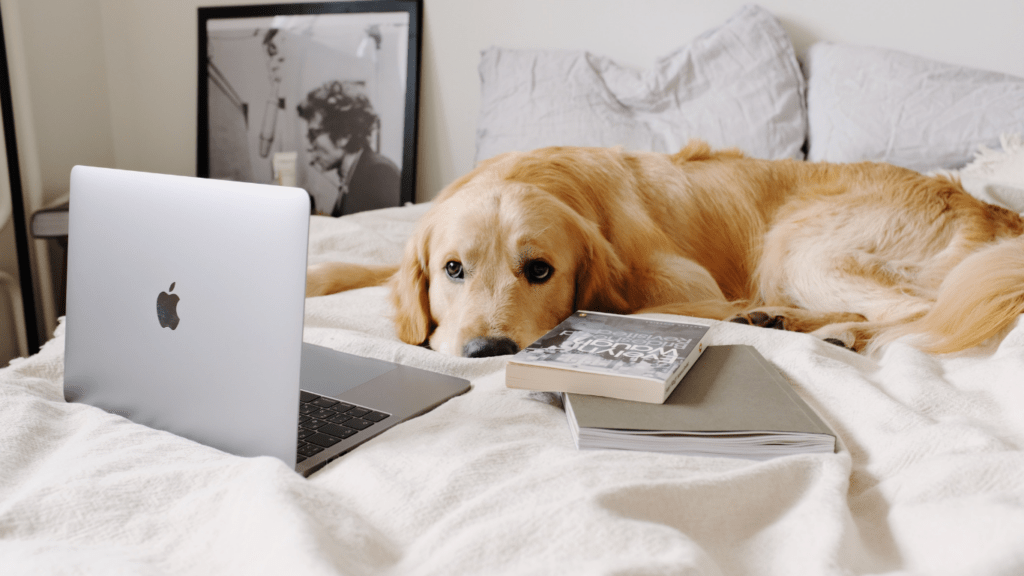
[(323, 96)]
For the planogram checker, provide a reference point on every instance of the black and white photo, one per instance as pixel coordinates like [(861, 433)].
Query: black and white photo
[(321, 96)]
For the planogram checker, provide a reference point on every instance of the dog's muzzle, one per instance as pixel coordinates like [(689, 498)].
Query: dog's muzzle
[(486, 346)]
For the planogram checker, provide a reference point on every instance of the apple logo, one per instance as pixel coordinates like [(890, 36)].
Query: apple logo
[(167, 308)]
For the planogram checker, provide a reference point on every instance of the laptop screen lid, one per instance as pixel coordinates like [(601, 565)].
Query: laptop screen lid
[(185, 305)]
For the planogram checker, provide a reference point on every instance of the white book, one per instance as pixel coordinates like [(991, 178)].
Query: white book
[(612, 355)]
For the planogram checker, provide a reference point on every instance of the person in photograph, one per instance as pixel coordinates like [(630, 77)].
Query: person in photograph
[(340, 122)]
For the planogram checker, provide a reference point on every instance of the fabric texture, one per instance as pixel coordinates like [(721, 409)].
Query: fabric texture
[(737, 85), (882, 105), (927, 479), (996, 175)]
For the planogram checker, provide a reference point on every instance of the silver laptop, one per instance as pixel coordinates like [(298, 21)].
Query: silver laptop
[(185, 301)]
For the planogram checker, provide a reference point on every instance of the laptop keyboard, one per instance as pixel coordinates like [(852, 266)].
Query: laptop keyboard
[(323, 422)]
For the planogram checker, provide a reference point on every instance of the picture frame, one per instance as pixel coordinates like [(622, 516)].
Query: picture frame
[(17, 288), (323, 96)]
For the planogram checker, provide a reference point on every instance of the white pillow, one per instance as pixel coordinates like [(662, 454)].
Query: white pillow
[(996, 176), (737, 85), (874, 104)]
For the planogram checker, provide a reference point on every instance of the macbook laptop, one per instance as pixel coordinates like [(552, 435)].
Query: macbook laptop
[(185, 301)]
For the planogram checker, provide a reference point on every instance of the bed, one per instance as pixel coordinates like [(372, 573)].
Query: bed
[(928, 477)]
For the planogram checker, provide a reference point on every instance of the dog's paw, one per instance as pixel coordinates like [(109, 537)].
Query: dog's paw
[(318, 280), (795, 319), (838, 342), (841, 336), (762, 319)]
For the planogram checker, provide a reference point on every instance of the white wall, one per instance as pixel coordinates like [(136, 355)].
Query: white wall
[(113, 82), (61, 103)]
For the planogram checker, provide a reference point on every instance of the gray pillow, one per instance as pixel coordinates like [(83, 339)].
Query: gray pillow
[(737, 85), (875, 104)]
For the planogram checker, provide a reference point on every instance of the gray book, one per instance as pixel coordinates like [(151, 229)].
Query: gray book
[(733, 402), (611, 355)]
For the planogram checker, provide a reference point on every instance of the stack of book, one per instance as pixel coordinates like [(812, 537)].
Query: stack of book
[(625, 357), (714, 400)]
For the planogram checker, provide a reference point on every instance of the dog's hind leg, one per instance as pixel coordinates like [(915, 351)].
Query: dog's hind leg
[(845, 329), (793, 319), (856, 336), (878, 308), (331, 277), (842, 294)]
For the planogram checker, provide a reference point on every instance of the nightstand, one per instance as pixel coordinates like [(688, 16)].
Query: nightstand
[(52, 224)]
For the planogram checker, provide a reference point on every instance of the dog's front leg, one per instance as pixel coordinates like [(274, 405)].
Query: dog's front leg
[(682, 286), (331, 277)]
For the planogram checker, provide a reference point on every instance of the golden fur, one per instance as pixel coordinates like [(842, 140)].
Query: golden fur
[(855, 253)]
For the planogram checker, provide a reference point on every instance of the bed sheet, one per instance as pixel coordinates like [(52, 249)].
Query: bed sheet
[(927, 479)]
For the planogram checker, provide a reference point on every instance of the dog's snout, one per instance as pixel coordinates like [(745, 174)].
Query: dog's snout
[(485, 346)]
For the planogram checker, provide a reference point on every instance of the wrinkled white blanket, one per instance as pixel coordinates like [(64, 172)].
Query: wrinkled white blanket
[(929, 478)]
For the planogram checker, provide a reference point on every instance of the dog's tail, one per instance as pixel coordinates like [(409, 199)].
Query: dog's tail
[(330, 277), (978, 299)]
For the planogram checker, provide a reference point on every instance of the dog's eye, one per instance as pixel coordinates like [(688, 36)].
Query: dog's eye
[(454, 270), (538, 272)]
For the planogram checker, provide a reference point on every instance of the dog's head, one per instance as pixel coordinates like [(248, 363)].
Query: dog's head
[(504, 256)]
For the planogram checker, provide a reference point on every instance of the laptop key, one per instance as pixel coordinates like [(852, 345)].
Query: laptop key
[(325, 440), (357, 423), (335, 430), (323, 414), (305, 433), (358, 412), (308, 450), (375, 416), (313, 424), (340, 418), (324, 402), (308, 408), (307, 396)]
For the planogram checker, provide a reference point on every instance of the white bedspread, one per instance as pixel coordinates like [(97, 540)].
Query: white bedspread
[(929, 478)]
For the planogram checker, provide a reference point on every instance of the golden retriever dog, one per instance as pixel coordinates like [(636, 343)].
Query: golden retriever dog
[(856, 254)]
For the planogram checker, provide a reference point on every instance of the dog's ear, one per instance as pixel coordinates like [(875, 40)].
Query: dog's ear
[(600, 274), (413, 322), (409, 285)]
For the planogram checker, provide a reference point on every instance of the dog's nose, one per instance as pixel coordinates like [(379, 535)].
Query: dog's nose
[(485, 346)]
